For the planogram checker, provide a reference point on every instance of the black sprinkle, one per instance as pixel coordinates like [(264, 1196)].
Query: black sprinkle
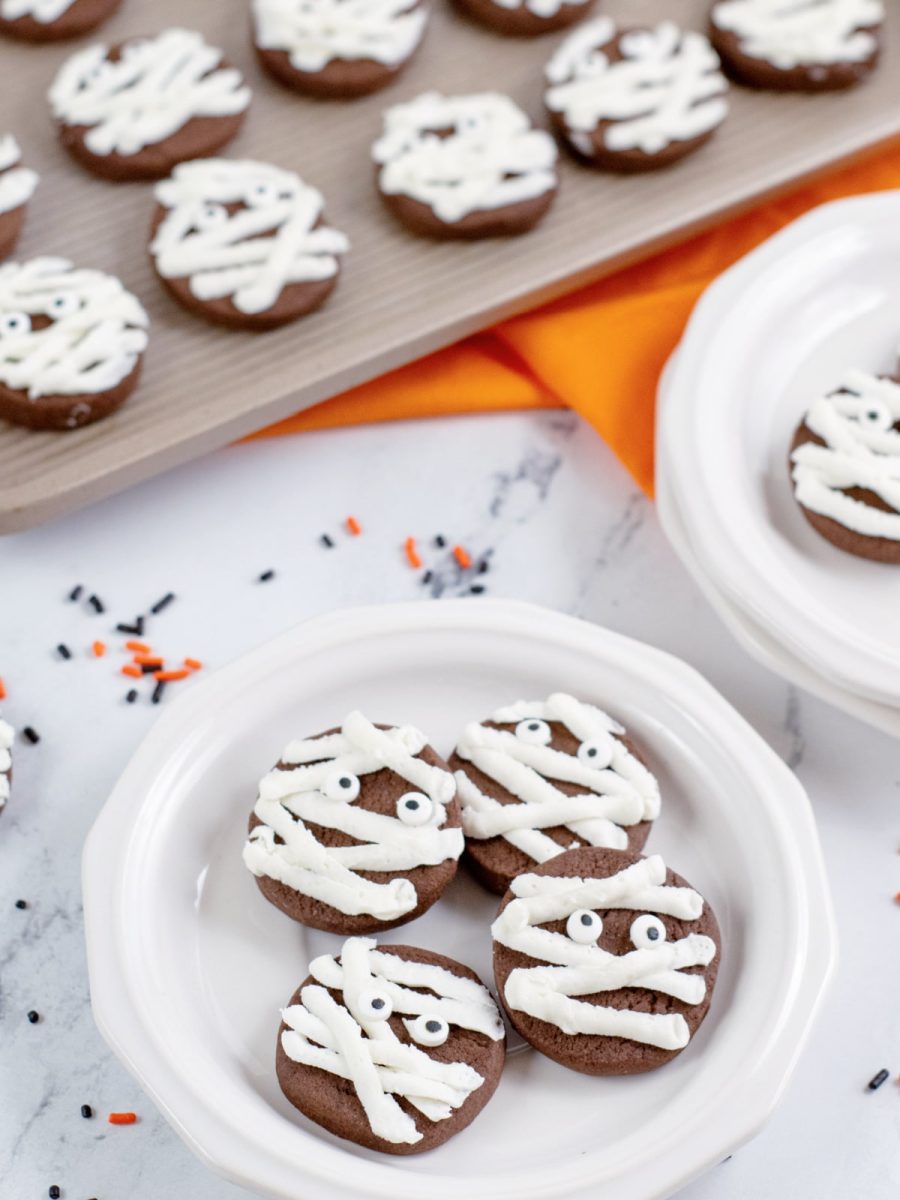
[(266, 576), (149, 668), (158, 692), (427, 577), (163, 603), (54, 1192), (96, 604), (21, 904), (34, 1017), (76, 591), (31, 735), (139, 625), (86, 1111), (326, 541), (877, 1080), (63, 650), (440, 541), (484, 566), (123, 628), (477, 588), (131, 696)]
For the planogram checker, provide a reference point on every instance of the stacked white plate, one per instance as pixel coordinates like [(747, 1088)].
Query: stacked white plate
[(772, 333)]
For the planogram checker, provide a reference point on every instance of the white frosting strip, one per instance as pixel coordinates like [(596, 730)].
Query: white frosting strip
[(17, 183), (491, 157), (43, 11), (148, 94), (96, 336), (801, 33), (862, 449), (540, 8), (356, 1042), (578, 968), (312, 793), (666, 87), (314, 33), (7, 736), (224, 253)]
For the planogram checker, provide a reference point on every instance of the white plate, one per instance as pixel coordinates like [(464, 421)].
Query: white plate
[(765, 338), (189, 965)]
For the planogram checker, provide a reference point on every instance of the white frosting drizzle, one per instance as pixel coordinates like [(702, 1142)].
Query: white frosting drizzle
[(540, 8), (618, 790), (96, 335), (43, 11), (7, 735), (549, 992), (801, 33), (354, 1041), (289, 798), (491, 158), (17, 183), (314, 33), (225, 254), (667, 87), (153, 90), (862, 449)]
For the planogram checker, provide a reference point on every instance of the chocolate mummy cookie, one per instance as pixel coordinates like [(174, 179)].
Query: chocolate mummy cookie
[(17, 184), (243, 244), (465, 166), (357, 829), (396, 1049), (337, 48), (605, 961), (7, 736), (133, 111), (526, 18), (71, 344), (546, 776), (804, 45), (845, 460), (634, 99), (53, 20)]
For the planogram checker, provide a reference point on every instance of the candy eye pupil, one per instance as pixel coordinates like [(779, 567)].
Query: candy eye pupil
[(345, 782), (412, 805), (653, 934), (433, 1026), (587, 919), (378, 1003)]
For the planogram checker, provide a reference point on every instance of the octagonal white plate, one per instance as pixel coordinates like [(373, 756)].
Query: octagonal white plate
[(189, 965), (766, 337)]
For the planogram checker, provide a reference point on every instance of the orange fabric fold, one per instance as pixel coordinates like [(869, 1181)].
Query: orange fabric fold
[(599, 350)]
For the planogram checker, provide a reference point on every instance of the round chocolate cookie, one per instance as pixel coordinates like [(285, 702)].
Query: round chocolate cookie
[(804, 46), (53, 20), (612, 975), (17, 184), (526, 18), (845, 465), (634, 99), (71, 344), (243, 244), (135, 110), (395, 1049), (7, 736), (465, 166), (337, 48), (541, 777), (356, 829)]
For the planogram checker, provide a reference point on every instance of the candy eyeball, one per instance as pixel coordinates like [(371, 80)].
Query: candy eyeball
[(375, 1005), (584, 926), (647, 931), (533, 732), (428, 1031), (598, 752), (260, 194), (63, 304), (14, 322), (341, 785), (876, 415), (414, 808), (210, 215)]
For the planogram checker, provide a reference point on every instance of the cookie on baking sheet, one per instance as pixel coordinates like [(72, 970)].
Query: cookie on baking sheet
[(337, 48), (71, 344), (356, 829), (845, 465), (465, 166), (53, 20), (605, 961), (545, 776), (526, 18), (803, 46), (7, 736), (17, 184), (243, 244), (396, 1049), (634, 99), (134, 110)]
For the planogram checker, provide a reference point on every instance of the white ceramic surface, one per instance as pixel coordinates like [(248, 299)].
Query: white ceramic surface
[(189, 964), (765, 338)]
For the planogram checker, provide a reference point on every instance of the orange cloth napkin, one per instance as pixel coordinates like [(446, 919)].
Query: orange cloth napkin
[(599, 350)]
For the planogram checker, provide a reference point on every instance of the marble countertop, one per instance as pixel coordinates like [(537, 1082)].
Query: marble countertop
[(563, 526)]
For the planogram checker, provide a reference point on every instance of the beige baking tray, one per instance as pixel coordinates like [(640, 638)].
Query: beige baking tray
[(399, 297)]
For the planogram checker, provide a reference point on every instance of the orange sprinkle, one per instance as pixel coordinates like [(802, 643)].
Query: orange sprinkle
[(170, 676), (138, 647), (194, 664), (897, 897), (122, 1118), (353, 526), (132, 672), (462, 557), (412, 555), (2, 690), (148, 660), (99, 649)]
